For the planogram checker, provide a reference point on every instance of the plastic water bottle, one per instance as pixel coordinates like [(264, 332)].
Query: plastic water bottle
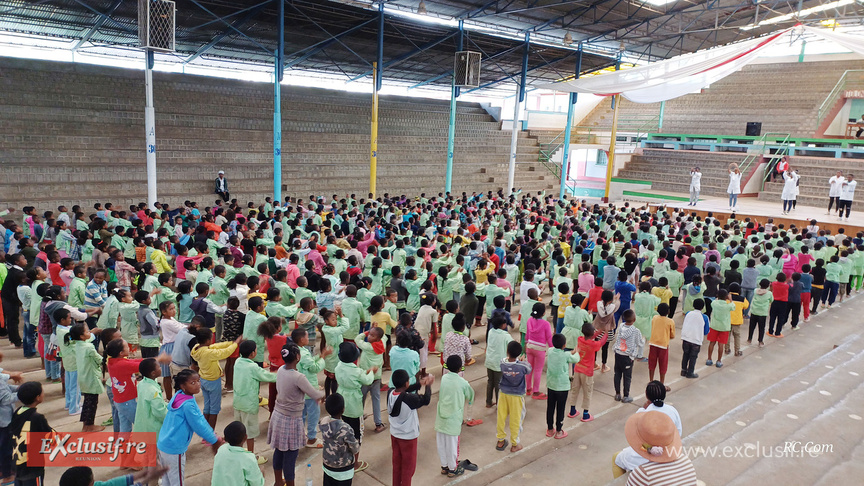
[(309, 479)]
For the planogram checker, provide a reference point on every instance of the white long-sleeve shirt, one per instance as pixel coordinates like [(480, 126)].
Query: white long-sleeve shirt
[(693, 328), (836, 186)]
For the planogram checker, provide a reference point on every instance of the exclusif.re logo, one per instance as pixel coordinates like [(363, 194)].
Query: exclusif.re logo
[(95, 449)]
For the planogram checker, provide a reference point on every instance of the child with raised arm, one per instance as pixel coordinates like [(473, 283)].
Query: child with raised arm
[(207, 354), (182, 420), (372, 344), (249, 377), (588, 344), (402, 404), (351, 379)]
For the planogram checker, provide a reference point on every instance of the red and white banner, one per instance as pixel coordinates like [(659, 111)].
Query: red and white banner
[(681, 75)]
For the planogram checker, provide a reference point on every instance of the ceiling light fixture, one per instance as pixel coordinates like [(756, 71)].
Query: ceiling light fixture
[(421, 8), (568, 39)]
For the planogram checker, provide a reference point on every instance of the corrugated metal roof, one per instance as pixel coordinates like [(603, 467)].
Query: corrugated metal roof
[(680, 26)]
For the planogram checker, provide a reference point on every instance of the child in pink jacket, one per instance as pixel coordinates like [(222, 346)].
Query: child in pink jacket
[(538, 339)]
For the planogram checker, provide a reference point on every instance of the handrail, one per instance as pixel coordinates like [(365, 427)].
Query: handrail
[(754, 154), (834, 95), (775, 158), (548, 149)]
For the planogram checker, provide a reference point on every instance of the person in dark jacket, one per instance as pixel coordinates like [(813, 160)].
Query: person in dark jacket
[(9, 296), (27, 420), (222, 186)]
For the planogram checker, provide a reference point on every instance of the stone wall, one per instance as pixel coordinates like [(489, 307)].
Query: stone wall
[(74, 134)]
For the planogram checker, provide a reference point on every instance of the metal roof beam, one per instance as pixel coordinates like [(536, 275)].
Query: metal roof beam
[(225, 33), (88, 7), (576, 13), (665, 18), (231, 27), (103, 17), (320, 46), (332, 37), (530, 6), (408, 55), (471, 13), (23, 7), (539, 66), (232, 14), (450, 72)]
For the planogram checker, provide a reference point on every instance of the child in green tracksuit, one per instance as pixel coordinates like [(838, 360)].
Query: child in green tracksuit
[(759, 309), (452, 395), (857, 276), (692, 291), (331, 335), (151, 409), (248, 377), (351, 380), (234, 465), (558, 365), (720, 326), (373, 344)]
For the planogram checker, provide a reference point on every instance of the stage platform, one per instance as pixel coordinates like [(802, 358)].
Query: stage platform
[(751, 207)]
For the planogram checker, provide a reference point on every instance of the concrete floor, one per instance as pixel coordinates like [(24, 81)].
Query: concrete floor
[(805, 387)]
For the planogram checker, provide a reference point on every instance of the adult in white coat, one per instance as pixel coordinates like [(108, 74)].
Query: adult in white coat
[(790, 182), (846, 196), (734, 188), (836, 183), (695, 185)]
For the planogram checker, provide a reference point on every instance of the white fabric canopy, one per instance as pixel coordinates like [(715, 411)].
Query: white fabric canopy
[(672, 78), (689, 73), (854, 43)]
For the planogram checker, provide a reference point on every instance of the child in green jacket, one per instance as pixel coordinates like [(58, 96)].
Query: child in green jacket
[(151, 409), (248, 377), (234, 465)]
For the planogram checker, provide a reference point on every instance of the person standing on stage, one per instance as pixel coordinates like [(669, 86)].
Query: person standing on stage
[(695, 185), (836, 183)]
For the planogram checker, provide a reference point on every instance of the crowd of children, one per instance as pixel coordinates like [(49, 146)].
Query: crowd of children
[(365, 292)]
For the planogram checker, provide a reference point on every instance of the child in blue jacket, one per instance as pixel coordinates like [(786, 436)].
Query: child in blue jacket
[(183, 418)]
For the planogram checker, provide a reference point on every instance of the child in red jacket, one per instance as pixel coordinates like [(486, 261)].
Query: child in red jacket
[(589, 343), (594, 296)]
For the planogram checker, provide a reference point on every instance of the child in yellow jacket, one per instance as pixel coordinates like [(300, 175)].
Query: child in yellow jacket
[(737, 317), (208, 355)]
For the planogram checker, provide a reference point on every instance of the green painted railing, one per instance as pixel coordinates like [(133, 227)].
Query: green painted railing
[(851, 79), (548, 149), (777, 141)]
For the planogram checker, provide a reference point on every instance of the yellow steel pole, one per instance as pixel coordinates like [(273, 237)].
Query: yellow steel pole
[(373, 162), (610, 163)]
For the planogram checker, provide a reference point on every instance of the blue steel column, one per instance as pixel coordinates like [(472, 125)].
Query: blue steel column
[(520, 97), (451, 128), (565, 161), (660, 119), (277, 107)]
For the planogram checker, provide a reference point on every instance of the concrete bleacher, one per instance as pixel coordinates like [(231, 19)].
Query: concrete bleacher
[(750, 95), (669, 170), (71, 128), (813, 185)]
